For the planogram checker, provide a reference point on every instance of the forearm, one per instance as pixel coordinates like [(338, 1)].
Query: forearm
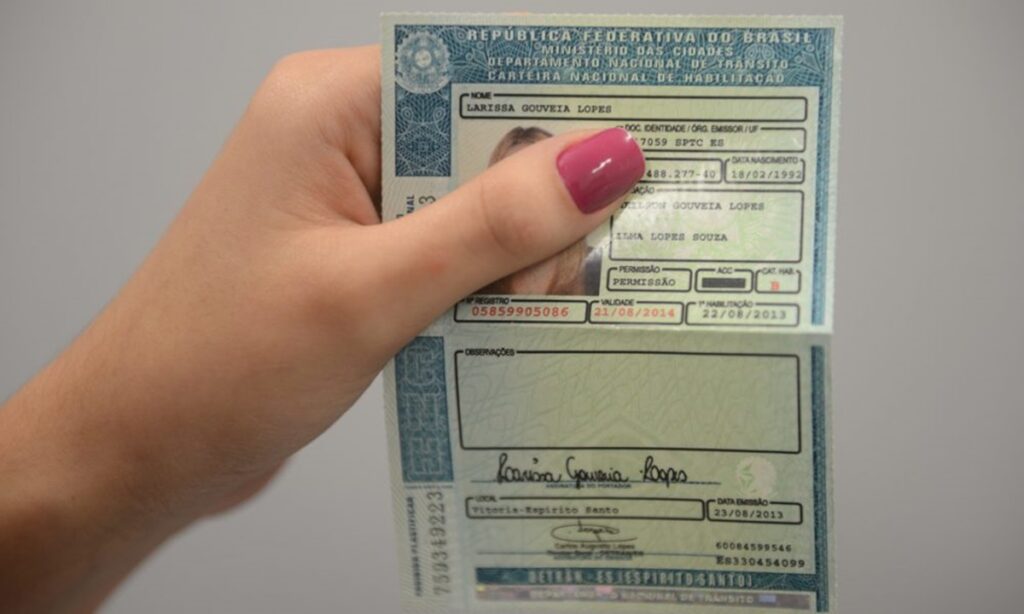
[(75, 515)]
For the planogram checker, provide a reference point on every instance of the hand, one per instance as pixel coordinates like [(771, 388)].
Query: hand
[(264, 312)]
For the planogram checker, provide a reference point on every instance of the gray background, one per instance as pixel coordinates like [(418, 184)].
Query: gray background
[(110, 111)]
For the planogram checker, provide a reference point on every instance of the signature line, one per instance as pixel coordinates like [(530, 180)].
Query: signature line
[(694, 482)]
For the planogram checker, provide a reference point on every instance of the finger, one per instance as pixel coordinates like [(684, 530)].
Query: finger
[(320, 110), (524, 209)]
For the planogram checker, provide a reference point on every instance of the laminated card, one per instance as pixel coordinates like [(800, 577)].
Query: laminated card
[(650, 433)]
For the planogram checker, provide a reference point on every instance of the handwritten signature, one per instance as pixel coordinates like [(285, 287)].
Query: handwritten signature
[(581, 532), (650, 472)]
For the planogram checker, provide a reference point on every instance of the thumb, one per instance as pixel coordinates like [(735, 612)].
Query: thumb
[(524, 209)]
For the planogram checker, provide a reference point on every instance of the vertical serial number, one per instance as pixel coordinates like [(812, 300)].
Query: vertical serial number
[(437, 543)]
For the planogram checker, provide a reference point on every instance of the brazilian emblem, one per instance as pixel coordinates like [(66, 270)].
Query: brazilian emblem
[(756, 476), (422, 63)]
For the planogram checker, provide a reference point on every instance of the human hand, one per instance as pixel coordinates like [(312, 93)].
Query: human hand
[(263, 313)]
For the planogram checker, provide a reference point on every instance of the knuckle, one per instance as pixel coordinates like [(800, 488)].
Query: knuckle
[(311, 92), (291, 86), (293, 66)]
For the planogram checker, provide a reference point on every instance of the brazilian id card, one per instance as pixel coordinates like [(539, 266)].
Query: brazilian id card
[(642, 423)]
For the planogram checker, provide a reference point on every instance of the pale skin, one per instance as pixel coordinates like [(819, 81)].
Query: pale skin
[(263, 313), (559, 274)]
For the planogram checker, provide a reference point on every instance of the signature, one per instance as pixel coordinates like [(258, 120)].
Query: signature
[(581, 532), (651, 472), (666, 475), (581, 474), (510, 473)]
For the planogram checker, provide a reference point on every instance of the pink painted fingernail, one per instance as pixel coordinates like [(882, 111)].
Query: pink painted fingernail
[(600, 169)]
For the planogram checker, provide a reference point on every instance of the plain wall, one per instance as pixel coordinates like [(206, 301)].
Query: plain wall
[(111, 111)]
